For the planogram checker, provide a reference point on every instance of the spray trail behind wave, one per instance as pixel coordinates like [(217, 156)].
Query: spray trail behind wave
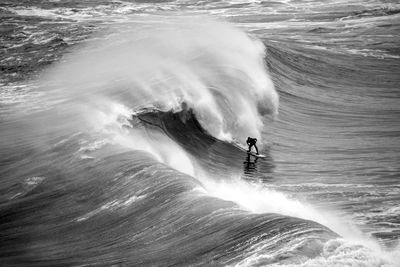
[(217, 70)]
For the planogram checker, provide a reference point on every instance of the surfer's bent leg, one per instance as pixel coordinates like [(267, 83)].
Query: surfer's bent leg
[(250, 146), (256, 148)]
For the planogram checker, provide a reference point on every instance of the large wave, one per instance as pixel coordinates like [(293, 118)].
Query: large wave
[(128, 161)]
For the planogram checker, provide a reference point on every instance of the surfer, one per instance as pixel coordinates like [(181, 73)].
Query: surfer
[(252, 142)]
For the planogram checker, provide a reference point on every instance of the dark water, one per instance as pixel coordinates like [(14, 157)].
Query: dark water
[(123, 123)]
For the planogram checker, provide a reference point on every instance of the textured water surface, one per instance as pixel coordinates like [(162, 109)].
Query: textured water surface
[(123, 128)]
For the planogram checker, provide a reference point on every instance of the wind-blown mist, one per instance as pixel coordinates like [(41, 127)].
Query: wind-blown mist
[(214, 68)]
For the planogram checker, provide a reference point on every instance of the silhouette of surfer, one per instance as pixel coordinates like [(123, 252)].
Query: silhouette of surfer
[(252, 142)]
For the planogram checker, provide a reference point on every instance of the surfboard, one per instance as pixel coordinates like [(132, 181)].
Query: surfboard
[(237, 145), (255, 155)]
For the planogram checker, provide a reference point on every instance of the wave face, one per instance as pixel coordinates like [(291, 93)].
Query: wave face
[(123, 127)]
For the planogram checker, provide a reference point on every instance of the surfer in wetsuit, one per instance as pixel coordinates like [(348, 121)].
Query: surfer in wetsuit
[(252, 142)]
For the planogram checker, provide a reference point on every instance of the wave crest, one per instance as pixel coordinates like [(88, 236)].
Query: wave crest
[(216, 69)]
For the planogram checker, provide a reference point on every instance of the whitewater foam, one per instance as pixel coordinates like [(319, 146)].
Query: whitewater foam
[(112, 121), (354, 249)]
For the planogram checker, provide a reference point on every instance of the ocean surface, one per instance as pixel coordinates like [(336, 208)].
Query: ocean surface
[(123, 128)]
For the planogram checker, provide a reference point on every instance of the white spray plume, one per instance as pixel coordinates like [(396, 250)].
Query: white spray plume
[(215, 68)]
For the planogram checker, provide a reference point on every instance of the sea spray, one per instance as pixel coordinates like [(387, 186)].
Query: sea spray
[(213, 67)]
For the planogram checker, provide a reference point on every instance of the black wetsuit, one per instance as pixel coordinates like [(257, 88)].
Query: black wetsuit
[(252, 142)]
